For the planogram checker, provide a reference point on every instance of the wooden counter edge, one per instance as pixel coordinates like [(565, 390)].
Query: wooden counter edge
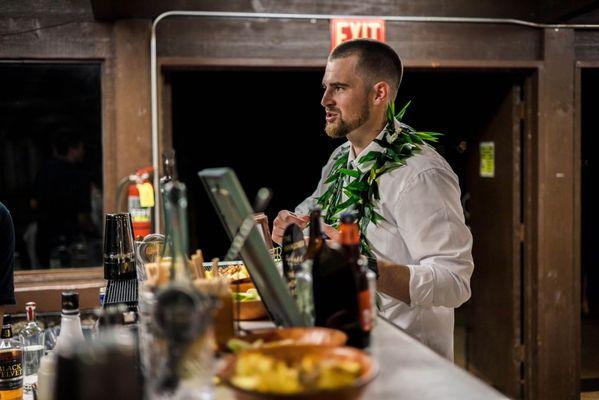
[(44, 286)]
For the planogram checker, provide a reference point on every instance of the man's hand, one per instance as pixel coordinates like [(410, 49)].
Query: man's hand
[(331, 232), (283, 220), (394, 280)]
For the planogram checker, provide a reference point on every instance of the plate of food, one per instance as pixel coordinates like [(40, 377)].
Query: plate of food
[(234, 270), (303, 372), (296, 336)]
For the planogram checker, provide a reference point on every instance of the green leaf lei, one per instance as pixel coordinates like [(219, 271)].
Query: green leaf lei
[(362, 192)]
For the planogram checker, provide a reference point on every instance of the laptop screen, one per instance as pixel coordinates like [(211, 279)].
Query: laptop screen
[(233, 207)]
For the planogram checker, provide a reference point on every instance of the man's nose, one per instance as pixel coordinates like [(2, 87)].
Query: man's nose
[(327, 99)]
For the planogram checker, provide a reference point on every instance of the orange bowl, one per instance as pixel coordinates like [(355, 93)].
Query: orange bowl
[(293, 355), (298, 336)]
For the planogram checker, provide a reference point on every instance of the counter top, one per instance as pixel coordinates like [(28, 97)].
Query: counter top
[(410, 370)]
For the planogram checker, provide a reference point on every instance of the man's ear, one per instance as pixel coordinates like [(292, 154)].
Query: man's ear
[(381, 91)]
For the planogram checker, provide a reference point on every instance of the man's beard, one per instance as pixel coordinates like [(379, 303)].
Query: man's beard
[(343, 128)]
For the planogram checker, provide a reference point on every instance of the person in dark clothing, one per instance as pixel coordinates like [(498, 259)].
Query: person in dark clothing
[(62, 198), (7, 257)]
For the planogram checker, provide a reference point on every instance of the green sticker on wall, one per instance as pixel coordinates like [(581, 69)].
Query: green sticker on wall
[(487, 159)]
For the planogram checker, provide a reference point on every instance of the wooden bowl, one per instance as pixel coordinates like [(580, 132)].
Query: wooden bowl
[(293, 354), (249, 310), (299, 336), (239, 286)]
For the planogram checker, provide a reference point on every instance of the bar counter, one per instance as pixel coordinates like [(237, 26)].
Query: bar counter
[(410, 370)]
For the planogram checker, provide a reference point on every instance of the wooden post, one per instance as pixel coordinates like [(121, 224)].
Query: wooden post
[(554, 345), (132, 149)]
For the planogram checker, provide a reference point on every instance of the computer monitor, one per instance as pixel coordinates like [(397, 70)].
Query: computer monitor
[(233, 207)]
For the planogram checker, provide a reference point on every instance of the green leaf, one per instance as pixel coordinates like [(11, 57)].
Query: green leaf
[(357, 185), (376, 217), (332, 178), (372, 155), (375, 190), (400, 115), (382, 143), (390, 111), (350, 172)]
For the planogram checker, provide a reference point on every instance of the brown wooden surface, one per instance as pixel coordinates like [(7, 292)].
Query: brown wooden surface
[(531, 184), (45, 287), (577, 356), (133, 147), (223, 38), (114, 9), (557, 335), (495, 219)]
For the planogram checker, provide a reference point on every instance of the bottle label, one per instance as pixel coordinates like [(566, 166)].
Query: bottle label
[(365, 310), (11, 374), (6, 332)]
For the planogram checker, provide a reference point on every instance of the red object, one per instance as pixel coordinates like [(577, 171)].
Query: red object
[(141, 217), (344, 29)]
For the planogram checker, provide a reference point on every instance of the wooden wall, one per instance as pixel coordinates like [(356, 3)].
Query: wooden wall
[(121, 43), (72, 34)]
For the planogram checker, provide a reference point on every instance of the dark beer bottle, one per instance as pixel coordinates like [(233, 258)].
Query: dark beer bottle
[(317, 240), (349, 238)]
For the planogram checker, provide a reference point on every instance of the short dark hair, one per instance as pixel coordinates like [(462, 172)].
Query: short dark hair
[(377, 60)]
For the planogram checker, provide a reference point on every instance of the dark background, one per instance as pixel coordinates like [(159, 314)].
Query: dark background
[(36, 101), (269, 127)]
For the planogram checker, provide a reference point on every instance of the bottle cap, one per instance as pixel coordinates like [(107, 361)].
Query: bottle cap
[(30, 310), (348, 217), (70, 302)]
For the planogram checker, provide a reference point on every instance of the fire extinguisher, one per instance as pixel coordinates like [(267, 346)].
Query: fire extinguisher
[(140, 201)]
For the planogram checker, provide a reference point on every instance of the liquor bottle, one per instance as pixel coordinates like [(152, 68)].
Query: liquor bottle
[(70, 323), (169, 174), (32, 340), (11, 364), (349, 238), (333, 285)]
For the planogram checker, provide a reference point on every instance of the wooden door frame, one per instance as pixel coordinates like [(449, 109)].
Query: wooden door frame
[(579, 67)]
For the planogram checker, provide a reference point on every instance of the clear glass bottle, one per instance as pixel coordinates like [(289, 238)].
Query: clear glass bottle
[(71, 332), (32, 340), (304, 292), (11, 364)]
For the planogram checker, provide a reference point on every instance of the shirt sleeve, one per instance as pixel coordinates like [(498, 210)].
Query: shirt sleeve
[(430, 218), (7, 251)]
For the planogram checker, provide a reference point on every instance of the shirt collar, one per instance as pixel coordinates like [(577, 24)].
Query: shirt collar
[(372, 146)]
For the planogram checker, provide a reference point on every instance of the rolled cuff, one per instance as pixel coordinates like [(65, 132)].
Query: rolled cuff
[(422, 282), (439, 285)]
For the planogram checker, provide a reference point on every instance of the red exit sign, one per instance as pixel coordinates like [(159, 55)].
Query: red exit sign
[(343, 30)]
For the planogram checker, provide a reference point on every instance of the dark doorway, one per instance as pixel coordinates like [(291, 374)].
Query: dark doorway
[(589, 221), (51, 162), (268, 126)]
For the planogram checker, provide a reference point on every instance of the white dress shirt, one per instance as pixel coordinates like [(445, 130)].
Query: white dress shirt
[(424, 229)]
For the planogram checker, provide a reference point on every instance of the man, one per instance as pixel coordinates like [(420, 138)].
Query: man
[(7, 257), (423, 248)]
